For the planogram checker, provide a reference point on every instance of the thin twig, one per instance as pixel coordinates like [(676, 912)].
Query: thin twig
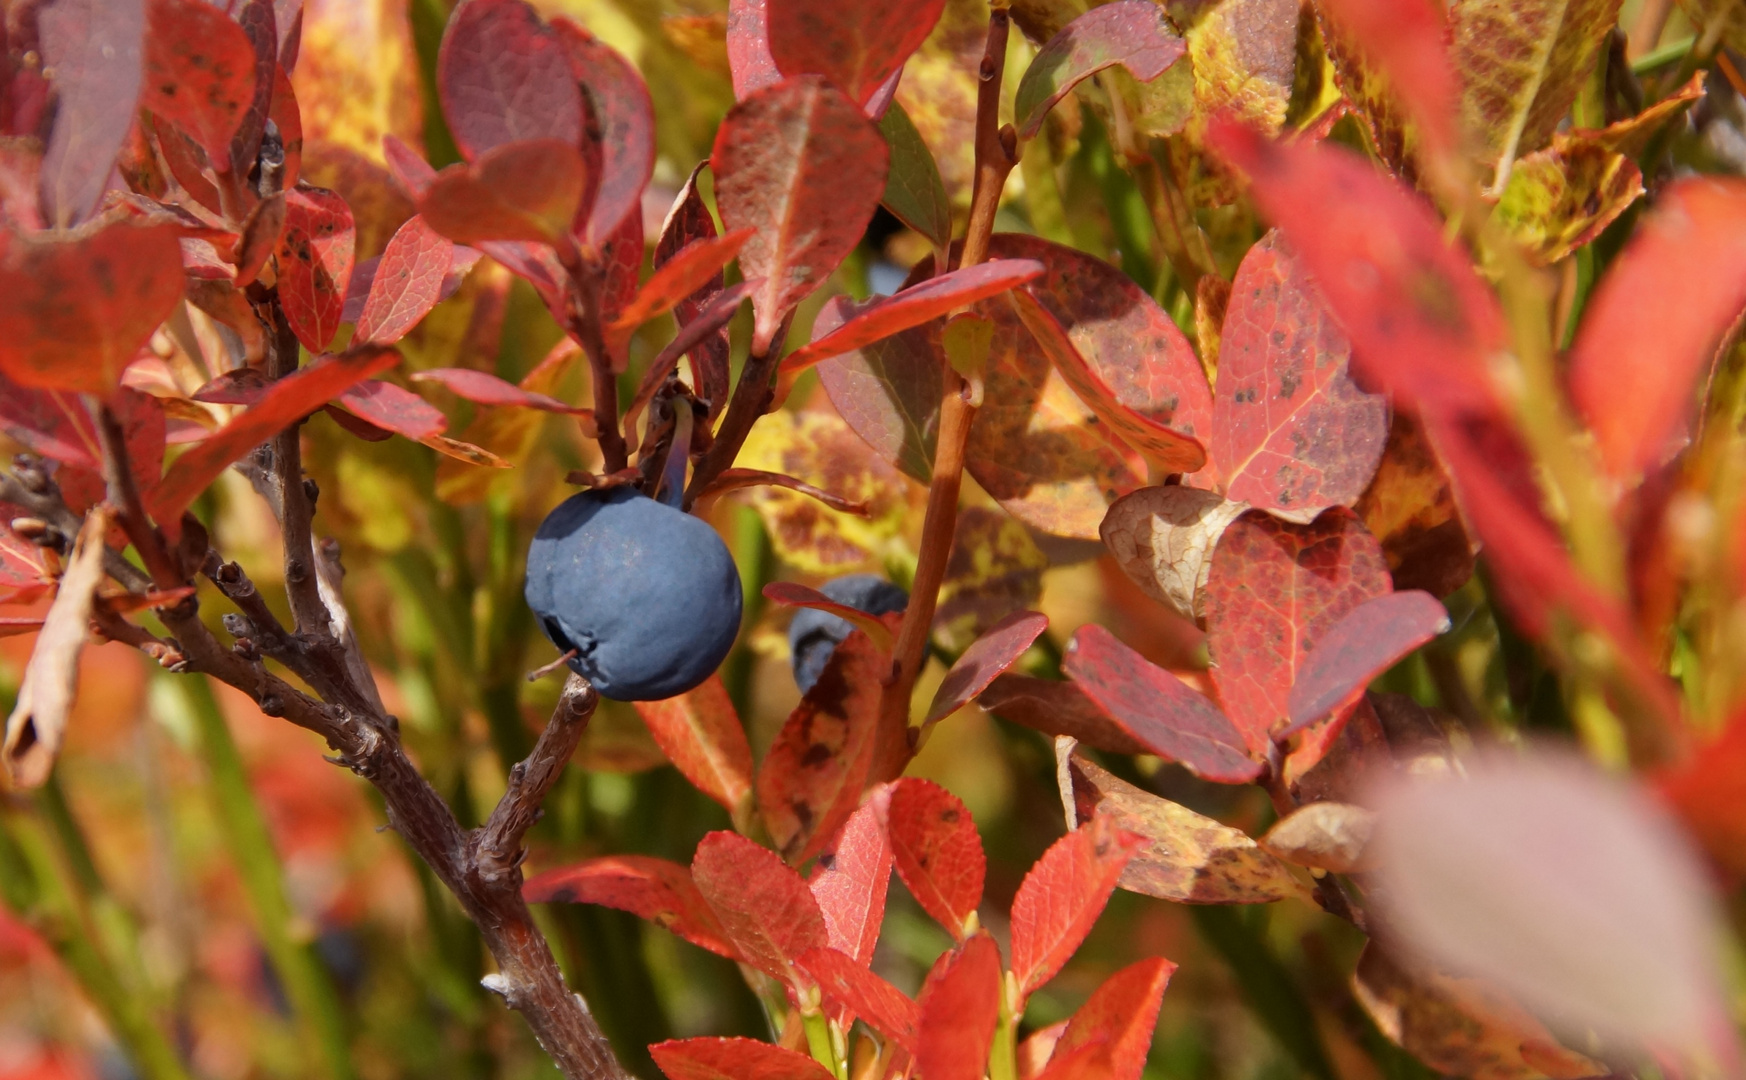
[(586, 282), (499, 846), (124, 496), (296, 510), (752, 397), (995, 157)]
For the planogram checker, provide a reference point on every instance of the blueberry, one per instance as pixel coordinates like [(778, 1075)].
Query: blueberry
[(647, 595), (814, 634)]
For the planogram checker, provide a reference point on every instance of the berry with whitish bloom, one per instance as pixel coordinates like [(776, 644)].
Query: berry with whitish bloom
[(647, 595)]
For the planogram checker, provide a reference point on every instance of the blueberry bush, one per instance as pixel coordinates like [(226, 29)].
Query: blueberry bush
[(933, 539)]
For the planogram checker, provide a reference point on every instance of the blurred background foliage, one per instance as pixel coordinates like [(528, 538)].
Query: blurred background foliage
[(202, 867)]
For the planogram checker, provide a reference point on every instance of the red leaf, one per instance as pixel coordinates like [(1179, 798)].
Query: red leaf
[(93, 47), (407, 283), (1651, 330), (626, 119), (74, 313), (850, 884), (984, 661), (688, 222), (1165, 714), (1274, 591), (696, 335), (812, 778), (622, 255), (960, 1005), (1367, 641), (1170, 449), (11, 626), (395, 409), (315, 263), (1116, 1023), (794, 594), (888, 391), (849, 985), (748, 48), (1707, 791), (649, 888), (679, 277), (1057, 708), (1132, 33), (700, 733), (1405, 41), (1423, 326), (733, 1059), (484, 388), (913, 306), (856, 46), (51, 423), (527, 190), (288, 400), (408, 167), (803, 167), (199, 73), (1291, 431), (21, 566), (764, 906), (260, 25), (143, 431), (504, 76), (937, 852), (1063, 895)]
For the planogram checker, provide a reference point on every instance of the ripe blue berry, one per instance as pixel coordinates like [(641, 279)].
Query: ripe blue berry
[(814, 634), (647, 595)]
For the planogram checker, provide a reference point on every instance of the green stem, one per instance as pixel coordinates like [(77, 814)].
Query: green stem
[(314, 1001), (1003, 1055), (818, 1041), (62, 914)]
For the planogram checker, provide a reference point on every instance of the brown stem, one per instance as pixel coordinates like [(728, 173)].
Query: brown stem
[(752, 397), (124, 495), (295, 509), (499, 847), (586, 282), (996, 154)]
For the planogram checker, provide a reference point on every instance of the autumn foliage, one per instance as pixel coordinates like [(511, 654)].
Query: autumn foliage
[(1296, 449)]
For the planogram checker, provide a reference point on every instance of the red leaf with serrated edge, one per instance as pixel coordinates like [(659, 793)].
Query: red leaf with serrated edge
[(199, 73), (813, 776), (649, 888), (393, 408), (764, 906), (678, 278), (700, 733), (1423, 325), (733, 1059), (688, 222), (1651, 330), (913, 306), (937, 852), (527, 190), (287, 401), (800, 165), (74, 313), (1165, 714), (748, 48), (1405, 40), (1367, 641), (504, 76), (626, 121), (856, 46), (484, 388), (960, 1006), (794, 594), (1132, 33), (849, 985), (1274, 591), (316, 252), (1062, 896), (984, 661), (850, 883), (1057, 708), (407, 283), (1117, 1019), (1291, 431), (94, 49)]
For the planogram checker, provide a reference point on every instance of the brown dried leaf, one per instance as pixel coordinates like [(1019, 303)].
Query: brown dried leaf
[(45, 697), (1163, 538), (1323, 836), (1189, 858)]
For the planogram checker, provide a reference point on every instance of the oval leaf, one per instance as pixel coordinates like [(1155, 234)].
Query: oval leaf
[(526, 190), (850, 884), (960, 1005), (392, 408), (408, 282), (1062, 896), (503, 76), (850, 985), (733, 1059), (937, 852), (199, 73), (856, 46), (94, 50), (765, 908), (984, 661), (1132, 33), (1367, 641), (316, 252), (700, 733), (649, 888), (486, 389)]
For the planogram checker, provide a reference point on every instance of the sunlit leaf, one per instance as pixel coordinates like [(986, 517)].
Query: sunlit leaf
[(94, 48), (733, 1059), (626, 119), (937, 852), (199, 73), (504, 76), (1561, 198), (1061, 897), (914, 192), (316, 253), (1163, 539), (765, 908), (526, 190), (960, 1005), (650, 888), (1132, 33)]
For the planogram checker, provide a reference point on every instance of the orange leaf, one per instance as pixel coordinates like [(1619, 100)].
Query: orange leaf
[(700, 733)]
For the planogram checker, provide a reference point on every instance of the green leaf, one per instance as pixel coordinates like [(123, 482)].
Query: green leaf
[(914, 192), (1560, 198)]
